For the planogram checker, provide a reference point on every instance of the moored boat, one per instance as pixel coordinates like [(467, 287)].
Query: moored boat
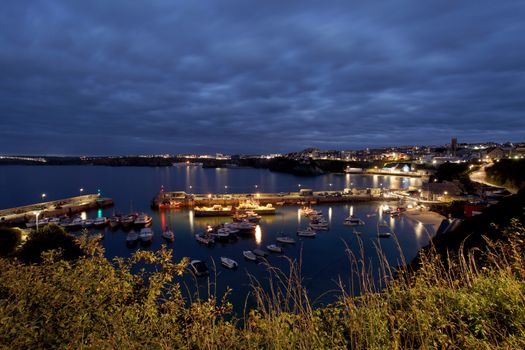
[(128, 220), (229, 263), (274, 248), (146, 234), (132, 238), (353, 221), (143, 220), (285, 240), (308, 232), (248, 254), (204, 239), (168, 234), (216, 210), (100, 222)]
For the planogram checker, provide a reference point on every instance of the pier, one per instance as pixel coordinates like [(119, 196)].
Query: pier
[(303, 197), (67, 206)]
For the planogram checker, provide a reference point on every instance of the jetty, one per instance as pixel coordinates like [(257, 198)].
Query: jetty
[(303, 197), (67, 206)]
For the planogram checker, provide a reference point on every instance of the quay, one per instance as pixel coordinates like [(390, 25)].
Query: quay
[(303, 197), (67, 206), (382, 172)]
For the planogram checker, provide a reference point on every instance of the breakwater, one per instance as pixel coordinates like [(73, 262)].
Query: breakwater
[(303, 197), (66, 206)]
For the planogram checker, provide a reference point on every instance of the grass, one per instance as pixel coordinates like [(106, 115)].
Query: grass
[(462, 303)]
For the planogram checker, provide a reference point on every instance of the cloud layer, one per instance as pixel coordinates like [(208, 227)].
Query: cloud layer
[(121, 77)]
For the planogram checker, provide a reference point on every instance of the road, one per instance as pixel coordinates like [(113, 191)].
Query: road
[(481, 177)]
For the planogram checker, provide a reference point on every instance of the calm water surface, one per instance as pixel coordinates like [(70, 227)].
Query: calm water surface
[(324, 260)]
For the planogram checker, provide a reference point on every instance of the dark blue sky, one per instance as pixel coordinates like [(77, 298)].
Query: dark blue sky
[(123, 77)]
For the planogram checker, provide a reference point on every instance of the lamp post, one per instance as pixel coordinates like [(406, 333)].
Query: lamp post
[(81, 190), (43, 196), (36, 212)]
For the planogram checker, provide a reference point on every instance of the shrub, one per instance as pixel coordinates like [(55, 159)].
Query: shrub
[(49, 237), (10, 239)]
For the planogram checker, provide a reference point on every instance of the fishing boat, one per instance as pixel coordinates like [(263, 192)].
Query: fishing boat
[(199, 268), (168, 234), (143, 220), (285, 240), (274, 248), (128, 220), (229, 263), (100, 222), (308, 232), (248, 254), (353, 221), (259, 252), (114, 221), (146, 234), (74, 224), (132, 238), (204, 239)]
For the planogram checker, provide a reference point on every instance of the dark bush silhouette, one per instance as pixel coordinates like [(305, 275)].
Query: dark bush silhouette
[(49, 237), (10, 238)]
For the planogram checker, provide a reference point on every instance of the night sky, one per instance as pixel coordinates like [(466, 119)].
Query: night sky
[(128, 77)]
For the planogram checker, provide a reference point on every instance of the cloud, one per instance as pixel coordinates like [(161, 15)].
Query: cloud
[(120, 77)]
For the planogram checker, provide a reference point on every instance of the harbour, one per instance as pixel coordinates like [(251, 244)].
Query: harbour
[(324, 257)]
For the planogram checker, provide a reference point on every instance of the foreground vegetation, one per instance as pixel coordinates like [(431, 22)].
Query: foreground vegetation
[(509, 173), (90, 302)]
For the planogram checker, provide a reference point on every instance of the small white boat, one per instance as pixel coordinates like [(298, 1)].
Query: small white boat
[(352, 221), (285, 240), (260, 252), (248, 254), (223, 234), (168, 234), (274, 248), (229, 263), (146, 234), (199, 268), (143, 219), (308, 232), (384, 234)]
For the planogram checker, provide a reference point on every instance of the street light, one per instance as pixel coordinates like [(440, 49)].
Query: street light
[(43, 195), (36, 212), (81, 189)]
